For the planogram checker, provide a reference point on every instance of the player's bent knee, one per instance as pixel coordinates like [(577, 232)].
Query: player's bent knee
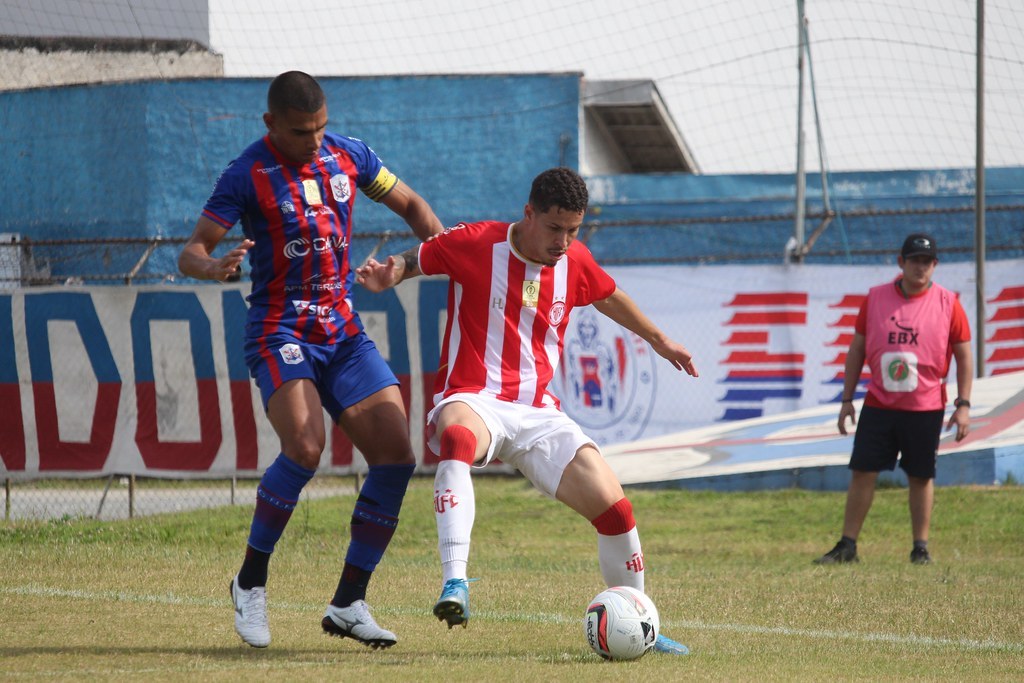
[(305, 453), (617, 519), (458, 443)]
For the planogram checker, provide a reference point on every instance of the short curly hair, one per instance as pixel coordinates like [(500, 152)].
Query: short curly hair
[(294, 90), (561, 187)]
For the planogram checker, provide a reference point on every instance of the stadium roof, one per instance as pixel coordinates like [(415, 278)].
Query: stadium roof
[(636, 120)]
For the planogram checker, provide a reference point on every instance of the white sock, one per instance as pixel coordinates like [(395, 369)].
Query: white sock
[(622, 560), (454, 511)]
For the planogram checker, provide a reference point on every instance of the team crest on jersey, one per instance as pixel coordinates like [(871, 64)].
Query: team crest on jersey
[(291, 354), (341, 188), (606, 380), (556, 313)]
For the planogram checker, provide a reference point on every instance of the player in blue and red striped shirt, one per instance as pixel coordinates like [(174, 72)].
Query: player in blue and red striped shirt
[(293, 192)]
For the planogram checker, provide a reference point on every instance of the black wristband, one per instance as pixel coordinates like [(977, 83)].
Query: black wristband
[(961, 403), (847, 400)]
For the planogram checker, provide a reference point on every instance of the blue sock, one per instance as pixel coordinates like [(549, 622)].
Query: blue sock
[(375, 516), (276, 498)]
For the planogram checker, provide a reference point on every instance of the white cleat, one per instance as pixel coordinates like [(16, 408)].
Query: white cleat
[(251, 614), (356, 622)]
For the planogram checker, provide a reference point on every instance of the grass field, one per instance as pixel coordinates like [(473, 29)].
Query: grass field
[(147, 599)]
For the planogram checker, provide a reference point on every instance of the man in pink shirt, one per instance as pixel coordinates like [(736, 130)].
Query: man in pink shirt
[(906, 331), (512, 288)]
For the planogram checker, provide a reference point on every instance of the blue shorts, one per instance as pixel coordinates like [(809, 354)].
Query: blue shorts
[(881, 434), (344, 373)]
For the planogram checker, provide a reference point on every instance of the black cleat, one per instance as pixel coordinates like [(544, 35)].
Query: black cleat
[(843, 553), (920, 556)]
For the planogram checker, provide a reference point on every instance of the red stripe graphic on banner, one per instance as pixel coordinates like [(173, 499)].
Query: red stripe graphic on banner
[(843, 340), (764, 357), (769, 318), (748, 338), (850, 301), (774, 374), (1008, 353), (770, 299), (1007, 334), (847, 320), (1008, 313), (1009, 294)]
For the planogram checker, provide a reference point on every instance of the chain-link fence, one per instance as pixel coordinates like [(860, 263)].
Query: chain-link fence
[(125, 497), (851, 236)]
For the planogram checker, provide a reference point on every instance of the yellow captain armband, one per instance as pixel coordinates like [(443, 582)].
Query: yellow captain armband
[(381, 185)]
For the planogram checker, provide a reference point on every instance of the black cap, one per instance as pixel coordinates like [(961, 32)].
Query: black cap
[(919, 244)]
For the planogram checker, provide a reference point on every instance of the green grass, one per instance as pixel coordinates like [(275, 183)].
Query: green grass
[(730, 573)]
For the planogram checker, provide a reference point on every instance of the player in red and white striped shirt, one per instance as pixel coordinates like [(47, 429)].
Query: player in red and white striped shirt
[(512, 289)]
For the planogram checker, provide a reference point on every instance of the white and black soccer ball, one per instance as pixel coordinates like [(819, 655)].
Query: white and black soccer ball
[(621, 623)]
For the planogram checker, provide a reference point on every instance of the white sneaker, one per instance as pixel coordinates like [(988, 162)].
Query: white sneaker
[(251, 614), (356, 622)]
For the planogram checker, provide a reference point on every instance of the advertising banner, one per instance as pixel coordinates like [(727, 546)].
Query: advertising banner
[(152, 380)]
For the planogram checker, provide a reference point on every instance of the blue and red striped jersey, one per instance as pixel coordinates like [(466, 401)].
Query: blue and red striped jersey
[(300, 219)]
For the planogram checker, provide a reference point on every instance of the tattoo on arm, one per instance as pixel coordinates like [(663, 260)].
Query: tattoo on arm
[(412, 261)]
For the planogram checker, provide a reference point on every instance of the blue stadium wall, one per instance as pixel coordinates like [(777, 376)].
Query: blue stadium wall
[(749, 218), (139, 160)]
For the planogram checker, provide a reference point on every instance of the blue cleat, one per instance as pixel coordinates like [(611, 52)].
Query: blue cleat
[(453, 605), (669, 646)]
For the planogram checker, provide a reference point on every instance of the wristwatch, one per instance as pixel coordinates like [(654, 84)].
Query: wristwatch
[(961, 402)]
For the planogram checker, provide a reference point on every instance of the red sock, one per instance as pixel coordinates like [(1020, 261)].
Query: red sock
[(618, 519), (458, 443)]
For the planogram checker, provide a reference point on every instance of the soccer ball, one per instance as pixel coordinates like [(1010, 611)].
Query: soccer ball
[(621, 623)]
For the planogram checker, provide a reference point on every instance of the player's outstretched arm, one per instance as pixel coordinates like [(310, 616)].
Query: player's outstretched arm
[(622, 309), (376, 276)]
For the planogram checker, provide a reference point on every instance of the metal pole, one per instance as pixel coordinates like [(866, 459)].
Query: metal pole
[(103, 498), (801, 181), (7, 500), (142, 261), (131, 496), (979, 193)]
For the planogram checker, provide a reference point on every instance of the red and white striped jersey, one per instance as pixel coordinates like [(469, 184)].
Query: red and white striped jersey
[(506, 315)]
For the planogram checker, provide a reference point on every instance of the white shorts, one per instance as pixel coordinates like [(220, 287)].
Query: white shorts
[(539, 442)]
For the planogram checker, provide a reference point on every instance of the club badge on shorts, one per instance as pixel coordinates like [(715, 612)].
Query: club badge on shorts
[(291, 354)]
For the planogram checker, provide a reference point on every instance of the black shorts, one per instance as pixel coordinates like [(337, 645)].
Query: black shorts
[(881, 434)]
